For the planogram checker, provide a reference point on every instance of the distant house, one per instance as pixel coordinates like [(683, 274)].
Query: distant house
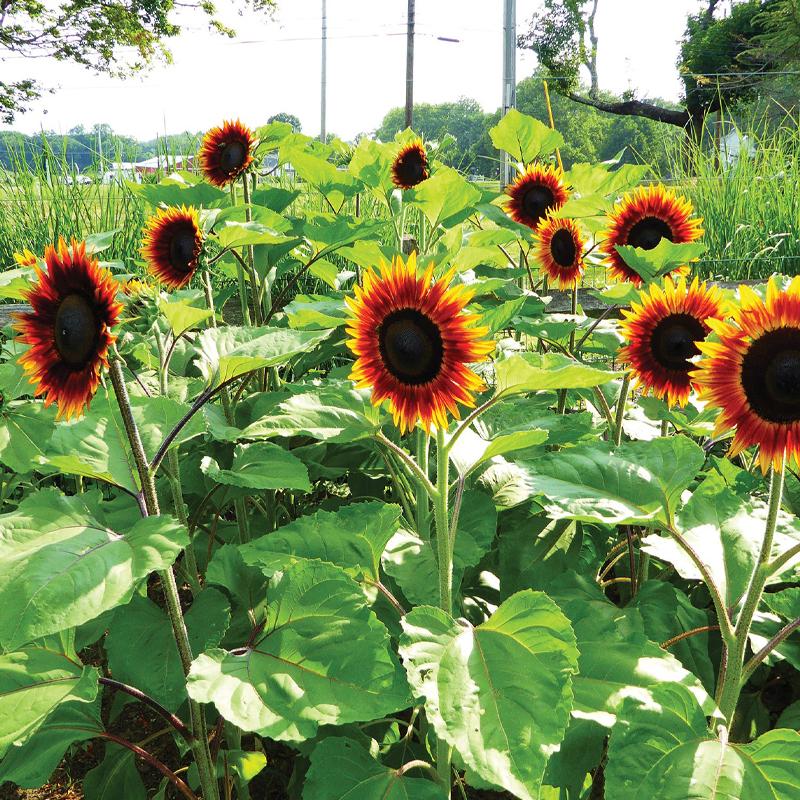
[(733, 143), (270, 166), (160, 163)]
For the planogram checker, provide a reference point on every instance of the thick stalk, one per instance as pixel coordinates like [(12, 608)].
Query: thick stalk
[(422, 500), (240, 279), (258, 314), (620, 414), (445, 558), (200, 749), (735, 677)]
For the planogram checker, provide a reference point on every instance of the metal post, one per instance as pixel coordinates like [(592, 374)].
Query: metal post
[(509, 72), (323, 134), (410, 66)]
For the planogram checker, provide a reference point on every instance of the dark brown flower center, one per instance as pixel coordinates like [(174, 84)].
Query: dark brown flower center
[(562, 248), (771, 375), (673, 341), (232, 156), (181, 249), (536, 201), (648, 232), (76, 330), (412, 168), (410, 346)]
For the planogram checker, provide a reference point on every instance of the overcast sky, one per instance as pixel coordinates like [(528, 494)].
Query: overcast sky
[(274, 65)]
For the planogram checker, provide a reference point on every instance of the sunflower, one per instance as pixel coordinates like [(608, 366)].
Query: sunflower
[(26, 259), (172, 245), (535, 192), (413, 343), (642, 219), (410, 165), (69, 329), (226, 152), (663, 331), (560, 251), (751, 371)]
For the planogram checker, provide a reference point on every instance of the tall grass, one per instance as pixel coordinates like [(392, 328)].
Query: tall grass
[(42, 200), (751, 207)]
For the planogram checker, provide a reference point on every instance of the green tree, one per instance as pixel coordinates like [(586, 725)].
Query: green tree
[(283, 116), (113, 36)]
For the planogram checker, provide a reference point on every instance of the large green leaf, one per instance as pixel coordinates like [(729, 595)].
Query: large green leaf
[(226, 353), (261, 465), (638, 483), (446, 198), (141, 645), (34, 681), (372, 165), (182, 316), (660, 260), (533, 372), (471, 450), (31, 764), (115, 777), (341, 769), (524, 138), (664, 751), (721, 528), (24, 428), (59, 567), (499, 693), (323, 658), (353, 537)]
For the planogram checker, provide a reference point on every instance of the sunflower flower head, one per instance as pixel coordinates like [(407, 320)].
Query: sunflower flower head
[(68, 330), (559, 248), (642, 219), (226, 152), (26, 259), (537, 191), (663, 331), (410, 165), (414, 342), (172, 245), (750, 370)]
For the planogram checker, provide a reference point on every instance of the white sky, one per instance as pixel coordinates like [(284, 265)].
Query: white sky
[(274, 65)]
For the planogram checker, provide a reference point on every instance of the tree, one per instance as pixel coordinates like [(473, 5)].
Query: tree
[(113, 36), (563, 38), (282, 116)]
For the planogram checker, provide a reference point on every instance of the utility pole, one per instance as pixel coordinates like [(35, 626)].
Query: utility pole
[(509, 72), (410, 66), (323, 134)]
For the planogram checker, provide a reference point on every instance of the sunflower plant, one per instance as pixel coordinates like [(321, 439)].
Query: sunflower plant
[(320, 498)]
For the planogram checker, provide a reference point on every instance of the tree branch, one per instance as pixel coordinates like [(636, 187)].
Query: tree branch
[(635, 108)]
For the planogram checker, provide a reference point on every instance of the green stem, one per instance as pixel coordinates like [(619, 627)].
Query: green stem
[(240, 274), (606, 409), (735, 674), (621, 401), (200, 748), (422, 500), (445, 565), (251, 257)]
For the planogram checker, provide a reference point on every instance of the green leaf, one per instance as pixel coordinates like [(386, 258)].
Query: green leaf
[(661, 259), (201, 195), (182, 316), (115, 777), (31, 764), (59, 567), (720, 527), (227, 353), (24, 428), (372, 164), (533, 372), (353, 538), (664, 751), (323, 658), (524, 138), (274, 198), (34, 681), (471, 450), (446, 198), (261, 465), (141, 645), (239, 234), (316, 312), (342, 769), (331, 414), (638, 483), (97, 242), (502, 727), (16, 283)]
